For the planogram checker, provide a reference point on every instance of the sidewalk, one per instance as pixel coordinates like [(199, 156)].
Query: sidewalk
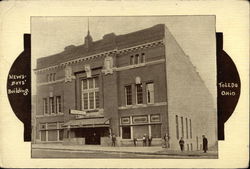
[(138, 150)]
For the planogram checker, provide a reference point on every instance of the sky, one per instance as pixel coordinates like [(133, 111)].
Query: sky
[(195, 34)]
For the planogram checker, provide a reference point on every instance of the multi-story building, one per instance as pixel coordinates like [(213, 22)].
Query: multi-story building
[(128, 85)]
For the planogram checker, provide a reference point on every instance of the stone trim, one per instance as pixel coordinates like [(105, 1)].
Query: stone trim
[(142, 105), (53, 82), (125, 50)]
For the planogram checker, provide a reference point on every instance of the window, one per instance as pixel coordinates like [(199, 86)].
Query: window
[(131, 60), (51, 105), (90, 93), (139, 96), (43, 135), (182, 128), (61, 134), (128, 95), (150, 92), (58, 104), (137, 59), (51, 77), (52, 135), (126, 132), (45, 106), (187, 128), (177, 127), (190, 128), (140, 130), (156, 130)]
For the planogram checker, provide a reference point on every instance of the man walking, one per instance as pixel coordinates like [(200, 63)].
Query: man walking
[(113, 140), (204, 142), (181, 142)]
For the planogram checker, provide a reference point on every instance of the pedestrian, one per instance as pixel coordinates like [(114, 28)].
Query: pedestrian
[(166, 141), (204, 143), (113, 140), (181, 142), (150, 140), (135, 141), (144, 141)]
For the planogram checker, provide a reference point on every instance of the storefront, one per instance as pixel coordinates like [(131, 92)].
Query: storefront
[(94, 131)]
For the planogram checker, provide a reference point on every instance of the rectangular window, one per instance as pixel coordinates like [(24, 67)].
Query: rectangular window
[(187, 128), (137, 59), (90, 93), (156, 130), (43, 135), (139, 131), (61, 134), (128, 93), (126, 132), (48, 78), (91, 100), (177, 127), (97, 100), (51, 105), (150, 92), (139, 96), (58, 104), (142, 58), (190, 128), (131, 60), (52, 135), (45, 106), (182, 128)]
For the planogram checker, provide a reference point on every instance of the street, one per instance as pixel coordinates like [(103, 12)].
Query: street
[(56, 153)]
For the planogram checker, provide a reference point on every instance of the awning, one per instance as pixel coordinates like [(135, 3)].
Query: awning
[(87, 123)]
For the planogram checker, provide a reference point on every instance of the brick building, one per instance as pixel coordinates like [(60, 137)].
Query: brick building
[(128, 85)]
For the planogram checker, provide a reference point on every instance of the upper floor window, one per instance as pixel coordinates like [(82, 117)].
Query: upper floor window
[(177, 126), (45, 106), (51, 77), (137, 58), (58, 104), (90, 93), (150, 92), (51, 105), (128, 95), (139, 94), (182, 128)]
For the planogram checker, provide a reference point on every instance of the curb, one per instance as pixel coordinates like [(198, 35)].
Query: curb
[(150, 153)]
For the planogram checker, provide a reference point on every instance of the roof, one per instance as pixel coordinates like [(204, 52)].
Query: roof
[(109, 42), (86, 123)]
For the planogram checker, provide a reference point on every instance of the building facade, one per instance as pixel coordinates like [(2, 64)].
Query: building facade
[(127, 85)]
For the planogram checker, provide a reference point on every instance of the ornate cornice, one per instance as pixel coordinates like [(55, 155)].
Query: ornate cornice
[(102, 54)]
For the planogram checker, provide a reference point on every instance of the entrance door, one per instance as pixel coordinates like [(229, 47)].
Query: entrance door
[(92, 136)]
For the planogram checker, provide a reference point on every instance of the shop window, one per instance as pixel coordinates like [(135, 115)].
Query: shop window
[(139, 95), (187, 128), (182, 128), (126, 132), (45, 106), (156, 131), (191, 146), (90, 93), (150, 92), (51, 105), (128, 95), (52, 135), (61, 134), (177, 126), (43, 135), (58, 104), (139, 131)]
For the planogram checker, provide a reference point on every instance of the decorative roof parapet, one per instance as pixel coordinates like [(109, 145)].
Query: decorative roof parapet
[(125, 50)]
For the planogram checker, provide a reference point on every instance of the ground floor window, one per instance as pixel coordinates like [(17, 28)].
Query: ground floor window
[(126, 132), (43, 135), (139, 131), (52, 135), (156, 130), (61, 134)]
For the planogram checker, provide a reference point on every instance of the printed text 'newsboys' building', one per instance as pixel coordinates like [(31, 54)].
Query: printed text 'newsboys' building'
[(128, 85)]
